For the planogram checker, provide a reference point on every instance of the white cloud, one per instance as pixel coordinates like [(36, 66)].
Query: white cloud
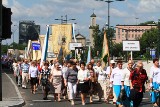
[(113, 12), (147, 6), (73, 10), (38, 10), (118, 13), (5, 2)]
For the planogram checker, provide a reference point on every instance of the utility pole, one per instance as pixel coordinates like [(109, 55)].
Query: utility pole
[(0, 50)]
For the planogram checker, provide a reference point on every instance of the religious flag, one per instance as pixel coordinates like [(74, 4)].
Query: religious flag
[(89, 55), (28, 54), (105, 50), (45, 46), (73, 32)]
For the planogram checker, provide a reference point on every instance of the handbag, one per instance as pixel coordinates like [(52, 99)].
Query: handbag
[(122, 96), (44, 82), (133, 94), (111, 93)]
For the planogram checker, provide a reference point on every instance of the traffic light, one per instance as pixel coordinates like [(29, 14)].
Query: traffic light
[(6, 23)]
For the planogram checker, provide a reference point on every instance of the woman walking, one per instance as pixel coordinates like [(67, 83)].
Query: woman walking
[(71, 81), (33, 75), (83, 77), (56, 79), (44, 80), (137, 79), (92, 81)]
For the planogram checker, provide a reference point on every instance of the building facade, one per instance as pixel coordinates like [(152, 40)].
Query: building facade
[(28, 30), (80, 39), (131, 32), (91, 29)]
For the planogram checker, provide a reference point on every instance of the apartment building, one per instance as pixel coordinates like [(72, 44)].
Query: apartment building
[(131, 32)]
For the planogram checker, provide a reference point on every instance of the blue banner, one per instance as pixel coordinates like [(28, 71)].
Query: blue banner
[(36, 46)]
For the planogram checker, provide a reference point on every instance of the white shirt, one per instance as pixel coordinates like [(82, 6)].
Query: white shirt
[(82, 75), (116, 76), (125, 76), (33, 71), (158, 78), (101, 73), (108, 70), (154, 72)]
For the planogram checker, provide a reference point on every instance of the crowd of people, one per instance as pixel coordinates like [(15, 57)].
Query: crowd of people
[(125, 86)]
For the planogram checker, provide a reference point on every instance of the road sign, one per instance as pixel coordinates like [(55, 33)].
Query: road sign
[(36, 46), (72, 45), (51, 55), (131, 46)]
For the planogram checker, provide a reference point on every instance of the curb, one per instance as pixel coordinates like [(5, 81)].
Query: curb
[(21, 102)]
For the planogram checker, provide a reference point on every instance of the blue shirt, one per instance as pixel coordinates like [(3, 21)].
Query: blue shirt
[(25, 68)]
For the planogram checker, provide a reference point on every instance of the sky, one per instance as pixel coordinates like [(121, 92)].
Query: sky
[(44, 12)]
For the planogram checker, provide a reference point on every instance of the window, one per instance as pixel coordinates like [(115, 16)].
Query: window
[(139, 35), (122, 35), (118, 36), (118, 31), (128, 35), (136, 36), (132, 35)]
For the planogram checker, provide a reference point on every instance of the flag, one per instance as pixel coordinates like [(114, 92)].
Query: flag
[(89, 55), (105, 50), (73, 32), (28, 55), (45, 46)]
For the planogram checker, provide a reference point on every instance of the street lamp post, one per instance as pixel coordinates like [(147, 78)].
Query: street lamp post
[(109, 1), (13, 35), (64, 20)]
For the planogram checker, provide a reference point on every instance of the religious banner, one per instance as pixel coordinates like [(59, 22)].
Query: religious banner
[(61, 37)]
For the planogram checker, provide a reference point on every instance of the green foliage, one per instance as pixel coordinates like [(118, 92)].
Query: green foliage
[(118, 49), (98, 41), (147, 22), (98, 36), (12, 46), (4, 49), (149, 40)]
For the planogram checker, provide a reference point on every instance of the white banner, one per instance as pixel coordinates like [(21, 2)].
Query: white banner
[(73, 45), (131, 46)]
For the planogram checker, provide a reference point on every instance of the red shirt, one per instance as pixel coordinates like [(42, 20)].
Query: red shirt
[(39, 68), (138, 79)]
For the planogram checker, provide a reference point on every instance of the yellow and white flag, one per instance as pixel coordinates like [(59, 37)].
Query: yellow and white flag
[(105, 50)]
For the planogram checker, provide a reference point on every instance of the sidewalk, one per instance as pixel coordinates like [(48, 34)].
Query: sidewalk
[(11, 96)]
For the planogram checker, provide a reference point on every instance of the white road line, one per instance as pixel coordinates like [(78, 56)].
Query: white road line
[(41, 100), (51, 96), (145, 98)]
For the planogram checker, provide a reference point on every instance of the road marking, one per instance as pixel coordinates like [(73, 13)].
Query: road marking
[(31, 104), (41, 100), (145, 98), (52, 96)]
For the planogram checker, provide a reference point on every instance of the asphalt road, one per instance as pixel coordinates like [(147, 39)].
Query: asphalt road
[(36, 100)]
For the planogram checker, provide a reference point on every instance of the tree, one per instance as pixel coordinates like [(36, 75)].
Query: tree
[(98, 36), (98, 41), (149, 40), (11, 46), (147, 22), (118, 50)]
